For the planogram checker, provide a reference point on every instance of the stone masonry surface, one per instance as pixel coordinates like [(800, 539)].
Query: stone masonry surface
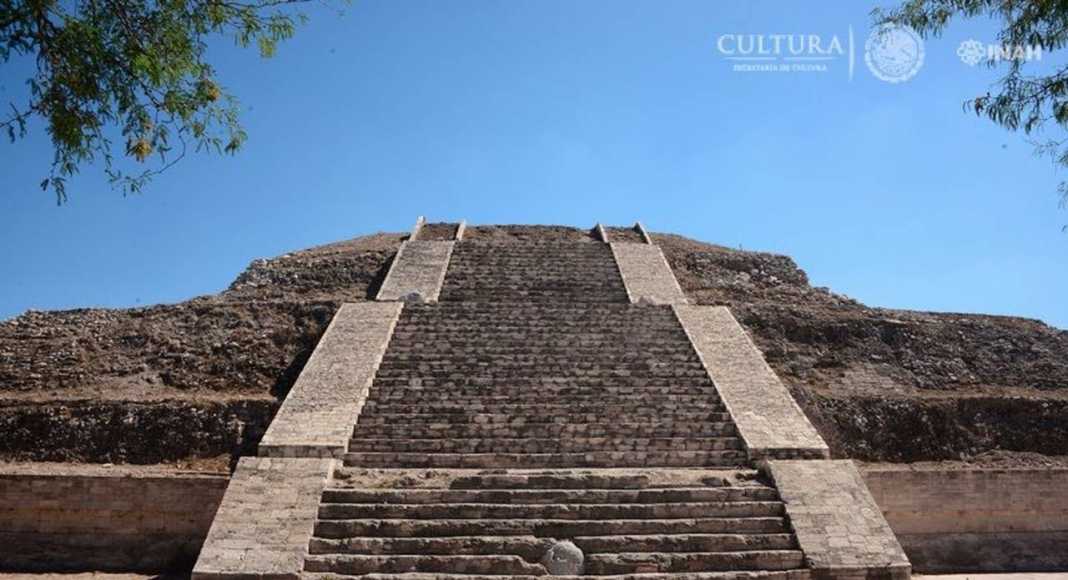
[(88, 518), (976, 519), (838, 525), (768, 419), (646, 273), (316, 418), (266, 519), (418, 267)]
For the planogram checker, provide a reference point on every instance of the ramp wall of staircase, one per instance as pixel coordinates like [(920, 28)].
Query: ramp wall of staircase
[(418, 269), (548, 393)]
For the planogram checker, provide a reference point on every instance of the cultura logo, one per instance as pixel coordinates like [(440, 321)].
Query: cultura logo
[(786, 52), (893, 53)]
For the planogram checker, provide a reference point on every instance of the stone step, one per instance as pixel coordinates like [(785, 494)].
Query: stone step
[(724, 458), (393, 394), (624, 343), (534, 271), (556, 259), (492, 276), (520, 317), (559, 257), (534, 268), (574, 321), (438, 232), (395, 400), (532, 548), (359, 564), (611, 355), (546, 430), (483, 511), (532, 388), (550, 496), (627, 235), (797, 574), (564, 377), (539, 387), (505, 368), (648, 415), (489, 276), (567, 377), (534, 445), (483, 306), (523, 316), (527, 547), (569, 325), (553, 341), (547, 344), (592, 291), (337, 529), (464, 328), (580, 479), (620, 406), (553, 256), (490, 286), (693, 543), (635, 562), (563, 260), (569, 353)]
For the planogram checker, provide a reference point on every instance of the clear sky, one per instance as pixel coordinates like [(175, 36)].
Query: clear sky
[(569, 112)]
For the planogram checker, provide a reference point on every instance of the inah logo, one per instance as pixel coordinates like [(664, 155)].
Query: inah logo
[(971, 52), (894, 53)]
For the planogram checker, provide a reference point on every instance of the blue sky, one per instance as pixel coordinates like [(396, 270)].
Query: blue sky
[(569, 112)]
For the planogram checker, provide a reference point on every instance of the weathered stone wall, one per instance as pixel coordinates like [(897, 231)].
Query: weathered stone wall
[(980, 520), (96, 518)]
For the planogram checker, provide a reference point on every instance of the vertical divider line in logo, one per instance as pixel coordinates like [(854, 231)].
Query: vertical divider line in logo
[(852, 53)]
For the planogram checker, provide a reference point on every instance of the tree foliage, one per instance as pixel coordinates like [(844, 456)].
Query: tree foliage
[(132, 72), (1033, 103)]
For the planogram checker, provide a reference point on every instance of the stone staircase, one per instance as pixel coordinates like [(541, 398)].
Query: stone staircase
[(532, 407), (668, 523), (499, 385), (534, 359), (560, 272)]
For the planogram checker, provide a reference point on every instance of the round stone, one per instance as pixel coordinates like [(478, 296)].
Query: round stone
[(563, 559)]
